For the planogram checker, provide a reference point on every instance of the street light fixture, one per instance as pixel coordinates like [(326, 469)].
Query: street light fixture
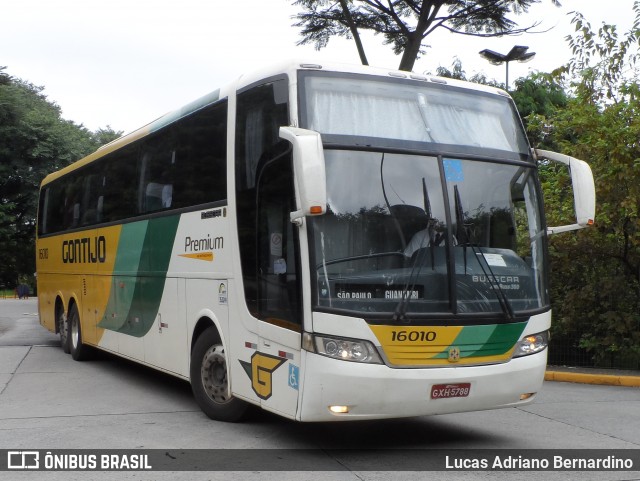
[(518, 53)]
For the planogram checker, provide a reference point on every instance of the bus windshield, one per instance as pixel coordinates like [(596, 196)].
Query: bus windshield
[(395, 232), (457, 230)]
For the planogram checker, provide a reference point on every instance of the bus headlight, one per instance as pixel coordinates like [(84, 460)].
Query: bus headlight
[(355, 350), (532, 344)]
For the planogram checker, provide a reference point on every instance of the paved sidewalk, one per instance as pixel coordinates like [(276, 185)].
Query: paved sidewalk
[(610, 377)]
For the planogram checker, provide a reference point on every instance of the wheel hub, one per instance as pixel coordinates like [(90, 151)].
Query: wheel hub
[(214, 374)]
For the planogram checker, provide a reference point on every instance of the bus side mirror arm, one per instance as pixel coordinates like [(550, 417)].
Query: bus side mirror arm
[(309, 172), (584, 190)]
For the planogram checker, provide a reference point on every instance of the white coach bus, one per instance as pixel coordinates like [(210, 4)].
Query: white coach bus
[(326, 242)]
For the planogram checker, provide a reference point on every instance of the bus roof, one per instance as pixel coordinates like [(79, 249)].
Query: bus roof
[(289, 68)]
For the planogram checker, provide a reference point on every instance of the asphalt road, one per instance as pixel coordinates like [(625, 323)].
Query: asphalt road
[(49, 401)]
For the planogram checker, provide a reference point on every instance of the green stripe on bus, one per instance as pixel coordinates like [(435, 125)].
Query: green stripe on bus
[(123, 282), (503, 338), (486, 340), (135, 300)]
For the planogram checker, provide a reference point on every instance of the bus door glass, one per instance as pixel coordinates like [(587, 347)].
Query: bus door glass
[(268, 249)]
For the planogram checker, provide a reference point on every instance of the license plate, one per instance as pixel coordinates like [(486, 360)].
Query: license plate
[(444, 391)]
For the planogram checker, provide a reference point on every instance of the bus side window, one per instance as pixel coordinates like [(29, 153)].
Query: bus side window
[(119, 184), (200, 158), (156, 173), (261, 111), (53, 211), (72, 198), (90, 190), (278, 281), (45, 211), (99, 208)]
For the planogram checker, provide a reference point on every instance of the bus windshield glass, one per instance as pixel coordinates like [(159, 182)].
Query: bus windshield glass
[(457, 230), (380, 110), (395, 233)]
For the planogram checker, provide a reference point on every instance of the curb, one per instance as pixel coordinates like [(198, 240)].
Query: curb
[(602, 379)]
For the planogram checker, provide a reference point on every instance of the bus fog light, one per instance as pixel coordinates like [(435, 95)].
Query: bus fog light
[(339, 409), (525, 396), (347, 349), (531, 344)]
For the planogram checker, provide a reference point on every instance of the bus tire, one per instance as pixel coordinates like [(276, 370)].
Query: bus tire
[(209, 381), (63, 329), (77, 348)]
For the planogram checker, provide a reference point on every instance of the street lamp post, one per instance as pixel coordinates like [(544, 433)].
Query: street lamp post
[(518, 53)]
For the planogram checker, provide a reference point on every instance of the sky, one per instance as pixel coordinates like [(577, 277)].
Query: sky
[(124, 63)]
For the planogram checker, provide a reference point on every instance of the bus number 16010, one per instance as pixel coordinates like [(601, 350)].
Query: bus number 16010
[(413, 336)]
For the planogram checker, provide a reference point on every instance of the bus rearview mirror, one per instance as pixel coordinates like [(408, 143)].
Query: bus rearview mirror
[(309, 171), (584, 190)]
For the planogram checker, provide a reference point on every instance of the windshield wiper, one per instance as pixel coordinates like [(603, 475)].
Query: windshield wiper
[(416, 267), (503, 300), (463, 238), (462, 235), (427, 209)]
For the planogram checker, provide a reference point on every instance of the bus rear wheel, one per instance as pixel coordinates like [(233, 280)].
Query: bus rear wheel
[(77, 348), (209, 381), (63, 329)]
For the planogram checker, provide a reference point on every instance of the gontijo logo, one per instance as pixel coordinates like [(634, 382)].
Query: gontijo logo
[(260, 371), (84, 250)]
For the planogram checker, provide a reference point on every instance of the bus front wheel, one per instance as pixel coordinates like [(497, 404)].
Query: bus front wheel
[(209, 381)]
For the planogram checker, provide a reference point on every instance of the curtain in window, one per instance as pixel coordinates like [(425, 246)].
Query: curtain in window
[(414, 119)]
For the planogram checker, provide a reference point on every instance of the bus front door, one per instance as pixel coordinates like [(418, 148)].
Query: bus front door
[(279, 293)]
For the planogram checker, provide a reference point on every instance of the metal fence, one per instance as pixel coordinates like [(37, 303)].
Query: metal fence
[(565, 350)]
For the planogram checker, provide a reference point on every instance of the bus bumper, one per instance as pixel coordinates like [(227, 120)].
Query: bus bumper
[(370, 391)]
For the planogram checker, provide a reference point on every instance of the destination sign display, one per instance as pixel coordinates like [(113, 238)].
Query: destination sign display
[(376, 291)]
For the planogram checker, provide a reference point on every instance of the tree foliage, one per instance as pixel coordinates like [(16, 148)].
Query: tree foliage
[(34, 141), (405, 24), (457, 72), (596, 272)]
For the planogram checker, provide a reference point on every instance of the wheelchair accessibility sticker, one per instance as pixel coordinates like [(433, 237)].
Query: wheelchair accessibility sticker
[(293, 376)]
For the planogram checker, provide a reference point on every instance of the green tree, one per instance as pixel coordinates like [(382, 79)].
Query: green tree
[(457, 72), (405, 24), (105, 135), (596, 272), (539, 94), (34, 141), (539, 97)]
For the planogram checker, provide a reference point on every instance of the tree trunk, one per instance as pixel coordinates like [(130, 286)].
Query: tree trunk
[(354, 32), (410, 54)]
